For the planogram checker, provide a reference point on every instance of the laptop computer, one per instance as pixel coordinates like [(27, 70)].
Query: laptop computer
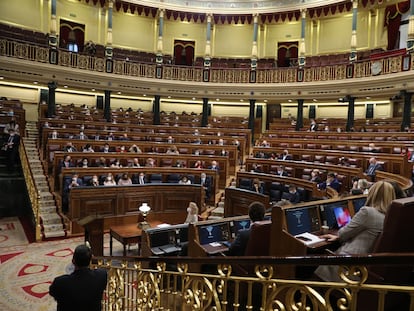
[(342, 216)]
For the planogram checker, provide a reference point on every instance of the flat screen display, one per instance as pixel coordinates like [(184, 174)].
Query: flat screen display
[(213, 233), (358, 203), (237, 225), (303, 219), (159, 238), (328, 214), (342, 216)]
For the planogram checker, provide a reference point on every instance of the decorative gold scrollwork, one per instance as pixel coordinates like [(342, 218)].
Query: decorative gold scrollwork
[(355, 275)]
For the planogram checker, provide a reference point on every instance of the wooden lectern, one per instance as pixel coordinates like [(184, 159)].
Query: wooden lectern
[(94, 232)]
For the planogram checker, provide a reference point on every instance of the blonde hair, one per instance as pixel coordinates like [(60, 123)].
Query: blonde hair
[(194, 208), (380, 196)]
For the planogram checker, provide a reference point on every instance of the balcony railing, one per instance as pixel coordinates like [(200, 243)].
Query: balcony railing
[(360, 69), (169, 284)]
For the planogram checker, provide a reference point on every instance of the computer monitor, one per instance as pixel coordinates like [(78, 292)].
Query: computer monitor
[(342, 216), (215, 232), (161, 237), (358, 203), (237, 225), (182, 234), (302, 219), (328, 214)]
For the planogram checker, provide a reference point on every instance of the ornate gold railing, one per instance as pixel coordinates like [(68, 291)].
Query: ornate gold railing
[(360, 69), (170, 284), (34, 194)]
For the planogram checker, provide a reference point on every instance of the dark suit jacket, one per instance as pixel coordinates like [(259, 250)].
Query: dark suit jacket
[(335, 184), (372, 168), (81, 291), (238, 247), (285, 157), (15, 140)]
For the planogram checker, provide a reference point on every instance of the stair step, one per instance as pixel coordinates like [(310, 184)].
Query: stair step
[(51, 221), (53, 227), (55, 234), (47, 209)]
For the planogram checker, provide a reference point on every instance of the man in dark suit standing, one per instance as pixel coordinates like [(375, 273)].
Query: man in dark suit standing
[(238, 247), (11, 148), (81, 290)]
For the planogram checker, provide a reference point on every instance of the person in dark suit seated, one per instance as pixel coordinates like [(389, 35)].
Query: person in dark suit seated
[(313, 126), (66, 163), (285, 155), (11, 147), (281, 171), (293, 196), (257, 186), (205, 181), (214, 166), (238, 246), (315, 176), (373, 167), (69, 147), (83, 288), (331, 181)]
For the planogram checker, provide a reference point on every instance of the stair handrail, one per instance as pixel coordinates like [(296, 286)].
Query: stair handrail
[(34, 193)]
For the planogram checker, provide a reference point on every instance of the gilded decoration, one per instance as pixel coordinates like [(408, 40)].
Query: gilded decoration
[(165, 287)]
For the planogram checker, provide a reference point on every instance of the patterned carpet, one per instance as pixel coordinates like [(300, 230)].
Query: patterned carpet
[(27, 270)]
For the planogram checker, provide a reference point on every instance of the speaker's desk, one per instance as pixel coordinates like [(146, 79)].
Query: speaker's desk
[(128, 234)]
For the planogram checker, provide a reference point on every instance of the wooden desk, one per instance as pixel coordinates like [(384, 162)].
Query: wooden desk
[(127, 234), (214, 248)]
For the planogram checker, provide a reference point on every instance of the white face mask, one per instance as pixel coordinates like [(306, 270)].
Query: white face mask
[(188, 210), (95, 180)]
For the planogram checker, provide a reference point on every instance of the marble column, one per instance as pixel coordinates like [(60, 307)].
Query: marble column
[(410, 38), (251, 117), (351, 113), (156, 110), (253, 63), (107, 105), (108, 48), (299, 115), (204, 118), (406, 119), (159, 54), (207, 51), (51, 105), (353, 55), (302, 46)]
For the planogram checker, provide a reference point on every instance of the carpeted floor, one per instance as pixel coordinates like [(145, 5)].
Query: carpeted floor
[(27, 269)]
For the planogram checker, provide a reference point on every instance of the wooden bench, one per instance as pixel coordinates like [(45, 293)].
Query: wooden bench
[(119, 204), (126, 158), (302, 169), (87, 173), (393, 163)]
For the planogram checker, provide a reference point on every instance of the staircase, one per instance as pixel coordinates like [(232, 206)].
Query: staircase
[(51, 221)]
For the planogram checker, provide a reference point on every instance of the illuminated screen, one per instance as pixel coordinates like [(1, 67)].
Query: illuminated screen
[(213, 233), (342, 216), (238, 225), (304, 219), (328, 213)]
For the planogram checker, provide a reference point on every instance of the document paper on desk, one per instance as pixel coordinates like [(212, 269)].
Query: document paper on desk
[(309, 238)]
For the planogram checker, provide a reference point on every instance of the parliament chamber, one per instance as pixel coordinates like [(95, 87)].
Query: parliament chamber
[(123, 105)]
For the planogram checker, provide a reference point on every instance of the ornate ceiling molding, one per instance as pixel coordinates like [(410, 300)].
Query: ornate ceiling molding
[(246, 6)]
